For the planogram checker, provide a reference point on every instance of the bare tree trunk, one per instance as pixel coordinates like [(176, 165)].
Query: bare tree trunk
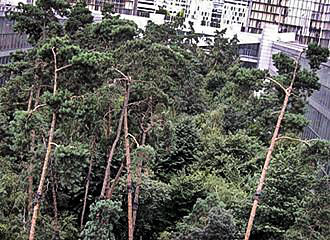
[(29, 108), (116, 180), (56, 222), (87, 187), (269, 153), (140, 164), (42, 179), (30, 177), (31, 164), (139, 181), (137, 189), (109, 130), (47, 156), (29, 170), (105, 186), (128, 166)]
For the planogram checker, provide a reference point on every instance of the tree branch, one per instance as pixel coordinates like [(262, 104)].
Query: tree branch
[(55, 144), (64, 67), (136, 142), (121, 73), (278, 84), (36, 108), (297, 139)]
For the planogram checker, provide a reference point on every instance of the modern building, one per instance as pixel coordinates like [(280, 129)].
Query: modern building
[(234, 12), (217, 13), (120, 6), (199, 12), (145, 7), (15, 2), (309, 19), (9, 40), (318, 109)]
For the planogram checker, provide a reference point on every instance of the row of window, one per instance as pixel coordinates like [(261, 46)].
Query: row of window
[(4, 60), (235, 14), (268, 8), (6, 26), (318, 122), (314, 5), (249, 50), (292, 20), (323, 97), (311, 5), (10, 41), (232, 8), (265, 16), (273, 2), (312, 29)]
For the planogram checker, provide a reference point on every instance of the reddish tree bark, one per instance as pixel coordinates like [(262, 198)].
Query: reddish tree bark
[(116, 180), (31, 163), (269, 153), (56, 224), (105, 186), (139, 174), (128, 165), (39, 193)]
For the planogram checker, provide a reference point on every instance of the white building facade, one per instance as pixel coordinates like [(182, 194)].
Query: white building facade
[(234, 12)]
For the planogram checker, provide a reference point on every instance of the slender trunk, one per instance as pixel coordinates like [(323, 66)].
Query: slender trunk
[(269, 153), (56, 223), (47, 156), (86, 189), (31, 164), (29, 108), (139, 181), (29, 170), (105, 186), (108, 134), (116, 180), (42, 179), (27, 209), (128, 167), (137, 189), (144, 136)]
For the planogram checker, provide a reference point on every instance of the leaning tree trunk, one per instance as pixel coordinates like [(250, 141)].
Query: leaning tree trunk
[(42, 178), (128, 166), (40, 190), (56, 225), (141, 156), (116, 180), (269, 153), (30, 167), (87, 185), (137, 189), (139, 176), (105, 186), (33, 158)]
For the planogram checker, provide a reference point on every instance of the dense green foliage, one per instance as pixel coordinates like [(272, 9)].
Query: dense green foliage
[(199, 124)]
